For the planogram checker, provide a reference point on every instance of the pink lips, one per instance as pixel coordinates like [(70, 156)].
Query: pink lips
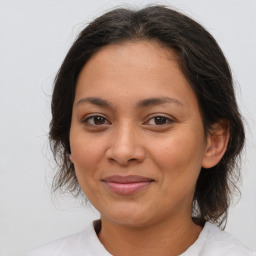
[(127, 185)]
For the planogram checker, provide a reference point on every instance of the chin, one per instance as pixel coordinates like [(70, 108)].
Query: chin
[(126, 216)]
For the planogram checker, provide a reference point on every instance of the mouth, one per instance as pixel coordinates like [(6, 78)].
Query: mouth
[(127, 185)]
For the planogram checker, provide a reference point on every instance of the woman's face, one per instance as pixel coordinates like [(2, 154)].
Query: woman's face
[(137, 138)]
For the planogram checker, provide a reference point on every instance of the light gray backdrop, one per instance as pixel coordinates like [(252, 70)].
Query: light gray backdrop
[(34, 38)]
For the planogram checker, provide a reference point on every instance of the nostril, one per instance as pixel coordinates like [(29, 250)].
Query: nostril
[(124, 153), (133, 159), (122, 161)]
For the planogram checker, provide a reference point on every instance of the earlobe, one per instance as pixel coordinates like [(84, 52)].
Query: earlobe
[(70, 158), (217, 142)]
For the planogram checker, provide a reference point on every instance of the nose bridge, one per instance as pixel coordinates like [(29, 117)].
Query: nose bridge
[(125, 144), (126, 137)]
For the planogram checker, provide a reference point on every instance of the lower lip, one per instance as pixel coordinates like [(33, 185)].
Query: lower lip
[(127, 188)]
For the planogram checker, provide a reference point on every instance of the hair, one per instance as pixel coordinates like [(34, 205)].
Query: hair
[(204, 66)]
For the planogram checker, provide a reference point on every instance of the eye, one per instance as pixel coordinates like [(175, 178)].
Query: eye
[(96, 120), (159, 120)]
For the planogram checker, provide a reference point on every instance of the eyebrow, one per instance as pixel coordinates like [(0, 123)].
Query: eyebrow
[(157, 101), (95, 101), (141, 104)]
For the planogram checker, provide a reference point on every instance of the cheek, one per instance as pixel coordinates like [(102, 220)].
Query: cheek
[(179, 156), (86, 150), (87, 155), (179, 162), (85, 159)]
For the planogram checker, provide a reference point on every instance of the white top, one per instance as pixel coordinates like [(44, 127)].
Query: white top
[(211, 241)]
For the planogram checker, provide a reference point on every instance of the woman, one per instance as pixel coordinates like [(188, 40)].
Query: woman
[(145, 124)]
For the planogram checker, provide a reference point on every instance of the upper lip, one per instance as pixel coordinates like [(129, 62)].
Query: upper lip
[(127, 179)]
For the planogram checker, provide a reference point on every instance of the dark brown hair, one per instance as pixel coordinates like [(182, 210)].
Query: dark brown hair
[(203, 65)]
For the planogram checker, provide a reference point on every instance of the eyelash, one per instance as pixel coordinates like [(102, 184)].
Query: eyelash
[(86, 120), (168, 120)]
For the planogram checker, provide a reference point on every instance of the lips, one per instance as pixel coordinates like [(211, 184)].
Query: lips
[(126, 185)]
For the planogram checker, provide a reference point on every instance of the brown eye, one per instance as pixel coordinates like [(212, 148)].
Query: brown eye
[(96, 120), (160, 120)]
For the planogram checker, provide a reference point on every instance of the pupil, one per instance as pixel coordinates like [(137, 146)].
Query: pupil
[(160, 120), (99, 120)]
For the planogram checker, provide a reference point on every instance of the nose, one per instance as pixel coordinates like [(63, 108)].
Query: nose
[(125, 146)]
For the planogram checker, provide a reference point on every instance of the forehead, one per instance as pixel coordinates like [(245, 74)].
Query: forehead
[(141, 54), (136, 69)]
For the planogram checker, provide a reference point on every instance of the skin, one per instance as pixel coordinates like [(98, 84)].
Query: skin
[(128, 140)]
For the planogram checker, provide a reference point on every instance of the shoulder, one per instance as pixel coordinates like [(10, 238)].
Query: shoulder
[(59, 247), (221, 243), (84, 243)]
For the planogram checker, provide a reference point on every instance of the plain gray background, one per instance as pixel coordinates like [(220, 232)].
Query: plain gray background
[(35, 36)]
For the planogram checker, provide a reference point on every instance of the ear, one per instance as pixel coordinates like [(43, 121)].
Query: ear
[(70, 157), (217, 141)]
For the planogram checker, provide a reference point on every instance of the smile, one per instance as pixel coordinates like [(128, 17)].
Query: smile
[(127, 185)]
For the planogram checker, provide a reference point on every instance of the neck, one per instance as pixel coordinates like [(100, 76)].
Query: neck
[(164, 238)]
